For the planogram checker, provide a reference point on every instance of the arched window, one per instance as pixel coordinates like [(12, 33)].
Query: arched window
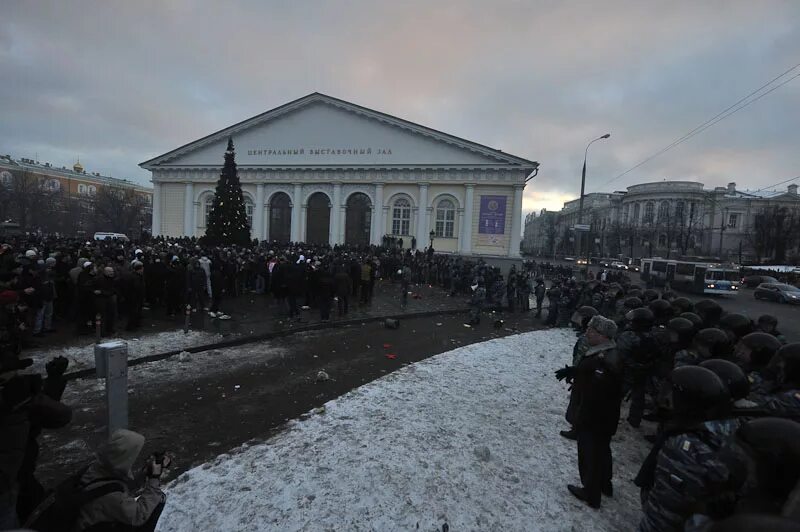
[(679, 208), (662, 240), (445, 219), (401, 217), (207, 205), (663, 212), (82, 189), (636, 209), (648, 212), (91, 190), (249, 207), (52, 185)]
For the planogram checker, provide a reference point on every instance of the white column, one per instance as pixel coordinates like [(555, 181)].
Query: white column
[(195, 213), (336, 215), (296, 200), (377, 216), (466, 227), (188, 207), (266, 221), (516, 221), (156, 229), (422, 217), (303, 222), (257, 231), (460, 228)]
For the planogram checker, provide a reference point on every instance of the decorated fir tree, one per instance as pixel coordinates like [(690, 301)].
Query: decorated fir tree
[(227, 221)]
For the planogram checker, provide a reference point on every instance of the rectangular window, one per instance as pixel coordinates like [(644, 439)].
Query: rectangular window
[(249, 211), (733, 219), (445, 222)]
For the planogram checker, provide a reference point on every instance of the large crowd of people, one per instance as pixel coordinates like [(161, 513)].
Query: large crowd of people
[(724, 390)]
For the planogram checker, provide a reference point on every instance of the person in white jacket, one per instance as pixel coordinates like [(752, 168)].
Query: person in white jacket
[(205, 264)]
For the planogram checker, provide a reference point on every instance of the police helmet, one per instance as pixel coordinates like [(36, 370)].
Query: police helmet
[(682, 304), (697, 390), (682, 329), (635, 292), (640, 318), (649, 295), (774, 441), (587, 312), (661, 308), (632, 302), (715, 340), (709, 310), (789, 357), (739, 324), (554, 292), (768, 319), (731, 375), (762, 347), (696, 320)]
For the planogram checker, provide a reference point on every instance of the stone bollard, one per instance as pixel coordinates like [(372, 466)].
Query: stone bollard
[(111, 363)]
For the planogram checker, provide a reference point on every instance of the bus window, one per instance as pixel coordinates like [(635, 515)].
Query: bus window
[(659, 266)]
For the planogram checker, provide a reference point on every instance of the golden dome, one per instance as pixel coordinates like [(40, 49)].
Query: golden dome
[(78, 167)]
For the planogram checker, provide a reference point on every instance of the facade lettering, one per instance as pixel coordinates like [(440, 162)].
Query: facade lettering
[(269, 152)]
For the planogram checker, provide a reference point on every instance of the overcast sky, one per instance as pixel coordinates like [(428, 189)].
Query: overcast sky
[(118, 82)]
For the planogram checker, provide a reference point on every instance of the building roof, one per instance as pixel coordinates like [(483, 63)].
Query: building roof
[(7, 162), (501, 156)]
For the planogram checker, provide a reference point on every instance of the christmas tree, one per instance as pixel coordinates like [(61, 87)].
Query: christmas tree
[(227, 221)]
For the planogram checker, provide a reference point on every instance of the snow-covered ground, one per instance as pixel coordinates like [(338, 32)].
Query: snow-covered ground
[(82, 357), (468, 438)]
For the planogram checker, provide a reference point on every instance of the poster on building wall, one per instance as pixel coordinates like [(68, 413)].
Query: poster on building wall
[(492, 215)]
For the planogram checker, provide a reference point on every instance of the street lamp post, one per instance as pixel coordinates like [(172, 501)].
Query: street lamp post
[(432, 234), (583, 188)]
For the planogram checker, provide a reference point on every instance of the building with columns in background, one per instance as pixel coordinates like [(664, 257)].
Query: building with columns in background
[(323, 170)]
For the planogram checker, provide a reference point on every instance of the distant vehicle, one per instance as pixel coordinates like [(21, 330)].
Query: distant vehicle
[(697, 277), (582, 262), (782, 293), (617, 265), (752, 281), (111, 236)]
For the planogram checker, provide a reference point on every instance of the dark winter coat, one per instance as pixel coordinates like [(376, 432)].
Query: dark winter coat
[(598, 384), (343, 284)]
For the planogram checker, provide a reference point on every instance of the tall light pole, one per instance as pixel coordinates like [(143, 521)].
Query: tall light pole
[(583, 187)]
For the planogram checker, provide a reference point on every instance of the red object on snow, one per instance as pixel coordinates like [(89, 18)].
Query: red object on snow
[(391, 356)]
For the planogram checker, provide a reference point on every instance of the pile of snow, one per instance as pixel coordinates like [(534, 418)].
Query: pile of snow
[(82, 357), (468, 438)]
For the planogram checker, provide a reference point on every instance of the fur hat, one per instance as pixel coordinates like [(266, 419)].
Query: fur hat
[(604, 326)]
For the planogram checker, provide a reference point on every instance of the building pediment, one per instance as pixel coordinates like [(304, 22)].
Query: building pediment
[(319, 130)]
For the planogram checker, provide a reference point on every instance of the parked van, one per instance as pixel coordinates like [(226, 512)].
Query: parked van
[(111, 236)]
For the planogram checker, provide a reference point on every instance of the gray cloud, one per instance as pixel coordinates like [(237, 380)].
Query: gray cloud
[(119, 82)]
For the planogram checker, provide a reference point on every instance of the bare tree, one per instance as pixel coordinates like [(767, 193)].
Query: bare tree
[(31, 200), (119, 210), (774, 232)]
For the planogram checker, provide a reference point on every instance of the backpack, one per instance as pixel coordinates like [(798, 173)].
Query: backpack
[(59, 511)]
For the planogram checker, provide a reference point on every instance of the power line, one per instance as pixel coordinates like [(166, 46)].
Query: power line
[(777, 184), (725, 113)]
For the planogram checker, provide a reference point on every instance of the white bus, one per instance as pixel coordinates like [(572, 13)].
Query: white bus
[(697, 277)]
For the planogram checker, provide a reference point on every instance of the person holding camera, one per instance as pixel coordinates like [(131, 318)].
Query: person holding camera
[(122, 508)]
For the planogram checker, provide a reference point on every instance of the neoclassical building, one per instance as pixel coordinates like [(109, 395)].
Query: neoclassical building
[(671, 219), (323, 170)]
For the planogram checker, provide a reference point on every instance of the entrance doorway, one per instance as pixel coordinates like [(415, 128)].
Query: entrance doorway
[(280, 218), (318, 219), (358, 217)]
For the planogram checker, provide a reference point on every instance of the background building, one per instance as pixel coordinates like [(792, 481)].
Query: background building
[(677, 218), (41, 197), (322, 170)]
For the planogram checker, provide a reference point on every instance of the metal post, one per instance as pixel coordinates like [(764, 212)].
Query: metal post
[(112, 363), (186, 320)]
